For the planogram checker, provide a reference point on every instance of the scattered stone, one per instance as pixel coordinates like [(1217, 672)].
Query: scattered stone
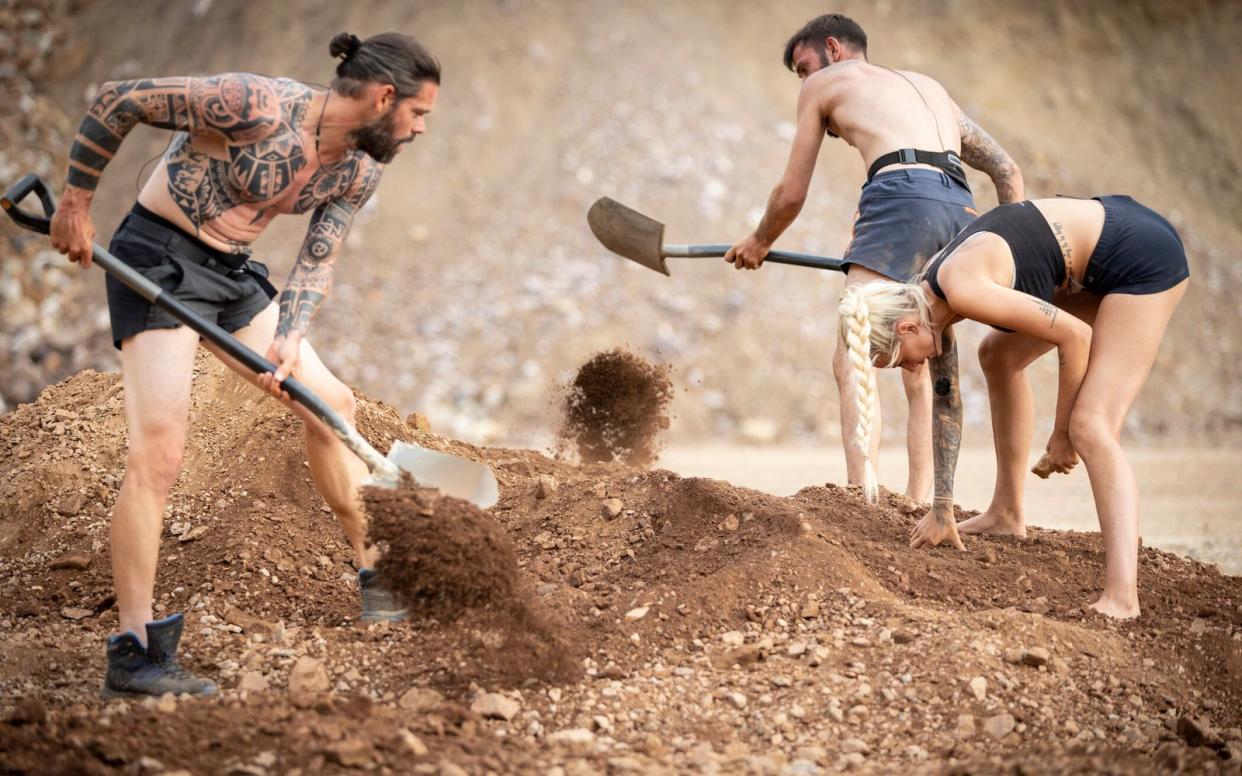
[(76, 562), (999, 726), (192, 534), (611, 508), (419, 422), (737, 699), (572, 737), (29, 711), (851, 745), (730, 523), (307, 680), (253, 681), (75, 613), (810, 610), (410, 743), (1013, 656), (167, 703), (733, 638), (420, 699), (965, 725), (901, 636), (1196, 731), (492, 705), (1036, 657), (796, 649), (354, 752), (637, 613), (546, 487), (979, 688)]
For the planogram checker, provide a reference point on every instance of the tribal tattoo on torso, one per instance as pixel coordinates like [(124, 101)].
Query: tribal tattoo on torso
[(258, 123)]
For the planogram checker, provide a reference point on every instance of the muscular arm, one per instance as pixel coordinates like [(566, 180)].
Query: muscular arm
[(236, 107), (983, 153), (312, 272), (946, 417), (787, 198)]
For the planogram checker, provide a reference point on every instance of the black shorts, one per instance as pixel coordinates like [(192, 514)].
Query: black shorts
[(199, 276), (904, 218), (1138, 252)]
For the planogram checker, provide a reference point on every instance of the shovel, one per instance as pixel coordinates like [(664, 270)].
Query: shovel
[(452, 475), (631, 234)]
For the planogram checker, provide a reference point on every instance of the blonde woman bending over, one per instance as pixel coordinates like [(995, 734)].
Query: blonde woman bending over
[(1097, 279)]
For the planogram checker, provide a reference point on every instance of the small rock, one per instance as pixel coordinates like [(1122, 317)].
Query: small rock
[(351, 753), (410, 743), (637, 613), (611, 508), (1036, 656), (733, 638), (737, 699), (796, 649), (1013, 656), (1060, 666), (546, 487), (29, 711), (810, 610), (74, 613), (730, 524), (76, 562), (193, 533), (979, 688), (307, 679), (965, 725), (851, 745), (167, 703), (420, 699), (253, 681), (780, 680), (999, 726), (572, 737), (492, 705), (901, 636), (1197, 731), (418, 421)]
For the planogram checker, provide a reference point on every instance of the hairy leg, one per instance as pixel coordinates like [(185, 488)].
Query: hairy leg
[(847, 389), (156, 371), (1126, 336), (919, 431), (338, 473), (1004, 358)]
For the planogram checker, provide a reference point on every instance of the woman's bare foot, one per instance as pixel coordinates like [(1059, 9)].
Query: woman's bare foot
[(1116, 609), (994, 522)]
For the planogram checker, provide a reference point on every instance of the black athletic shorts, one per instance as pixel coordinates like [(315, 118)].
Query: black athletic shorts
[(221, 287), (904, 218), (1139, 252)]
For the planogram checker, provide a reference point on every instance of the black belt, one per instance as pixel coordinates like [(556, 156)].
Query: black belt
[(946, 161), (185, 247)]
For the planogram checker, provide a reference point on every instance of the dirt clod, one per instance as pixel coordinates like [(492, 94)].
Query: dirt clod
[(615, 409)]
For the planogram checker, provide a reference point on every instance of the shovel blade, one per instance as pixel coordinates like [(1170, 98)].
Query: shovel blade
[(628, 233), (451, 474)]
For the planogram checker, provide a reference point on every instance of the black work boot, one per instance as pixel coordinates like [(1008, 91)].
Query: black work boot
[(378, 602), (135, 672)]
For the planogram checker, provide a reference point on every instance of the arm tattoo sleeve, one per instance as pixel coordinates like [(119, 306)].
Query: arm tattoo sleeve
[(983, 153), (312, 273), (946, 416), (237, 107)]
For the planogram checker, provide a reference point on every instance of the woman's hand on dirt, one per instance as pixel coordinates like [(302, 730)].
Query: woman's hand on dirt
[(286, 353), (72, 231), (748, 254), (935, 527), (1061, 454)]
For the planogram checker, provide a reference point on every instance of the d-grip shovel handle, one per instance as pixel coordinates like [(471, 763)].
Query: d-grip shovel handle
[(139, 284), (776, 257)]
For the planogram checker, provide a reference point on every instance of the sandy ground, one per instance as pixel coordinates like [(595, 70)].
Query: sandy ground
[(1191, 496)]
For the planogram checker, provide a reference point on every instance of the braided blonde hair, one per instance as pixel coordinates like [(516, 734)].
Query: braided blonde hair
[(867, 317)]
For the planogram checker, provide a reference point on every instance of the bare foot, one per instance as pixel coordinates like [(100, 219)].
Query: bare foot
[(994, 523), (1116, 610)]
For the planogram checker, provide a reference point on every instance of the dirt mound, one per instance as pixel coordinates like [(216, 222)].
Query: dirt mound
[(615, 409), (447, 560), (708, 627)]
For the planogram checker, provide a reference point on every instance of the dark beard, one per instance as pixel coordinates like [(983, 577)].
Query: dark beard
[(376, 139)]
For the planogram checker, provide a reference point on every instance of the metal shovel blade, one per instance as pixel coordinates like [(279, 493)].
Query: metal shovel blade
[(628, 233), (452, 475)]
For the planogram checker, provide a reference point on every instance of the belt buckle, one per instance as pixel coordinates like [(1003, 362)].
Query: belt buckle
[(906, 155)]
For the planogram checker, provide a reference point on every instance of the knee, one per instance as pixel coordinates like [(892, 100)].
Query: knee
[(155, 459), (994, 358), (1089, 430), (341, 399)]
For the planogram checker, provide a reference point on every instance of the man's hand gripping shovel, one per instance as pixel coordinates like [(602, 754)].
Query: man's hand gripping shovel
[(452, 475)]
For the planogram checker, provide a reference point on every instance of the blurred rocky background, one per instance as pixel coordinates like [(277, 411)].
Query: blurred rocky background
[(472, 288)]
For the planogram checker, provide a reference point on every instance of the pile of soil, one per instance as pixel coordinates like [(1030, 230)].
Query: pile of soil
[(615, 409), (714, 628)]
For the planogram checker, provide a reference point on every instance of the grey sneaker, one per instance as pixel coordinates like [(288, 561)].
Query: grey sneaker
[(378, 602), (135, 671)]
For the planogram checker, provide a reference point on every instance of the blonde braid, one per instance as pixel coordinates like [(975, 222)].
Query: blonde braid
[(856, 315)]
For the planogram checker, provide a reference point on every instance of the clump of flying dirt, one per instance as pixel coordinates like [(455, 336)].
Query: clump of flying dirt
[(447, 560), (615, 409)]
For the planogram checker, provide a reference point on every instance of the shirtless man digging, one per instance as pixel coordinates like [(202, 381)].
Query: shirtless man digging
[(247, 148), (912, 138)]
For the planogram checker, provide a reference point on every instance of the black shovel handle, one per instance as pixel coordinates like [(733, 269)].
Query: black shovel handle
[(150, 291), (776, 257)]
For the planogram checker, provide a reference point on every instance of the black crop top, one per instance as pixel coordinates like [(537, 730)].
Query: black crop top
[(1038, 266)]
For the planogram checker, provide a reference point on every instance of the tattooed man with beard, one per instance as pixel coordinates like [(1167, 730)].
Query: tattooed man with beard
[(247, 148)]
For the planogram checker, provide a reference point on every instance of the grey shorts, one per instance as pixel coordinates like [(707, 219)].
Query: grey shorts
[(904, 218), (193, 272)]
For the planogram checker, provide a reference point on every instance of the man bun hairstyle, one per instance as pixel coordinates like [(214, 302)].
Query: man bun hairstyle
[(387, 58), (817, 30)]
